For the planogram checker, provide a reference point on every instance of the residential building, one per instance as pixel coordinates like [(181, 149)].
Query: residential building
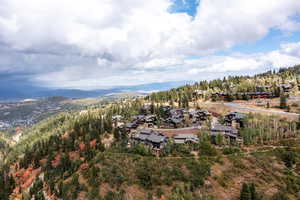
[(186, 138), (153, 139)]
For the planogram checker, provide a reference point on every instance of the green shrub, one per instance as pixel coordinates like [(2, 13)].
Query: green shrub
[(230, 150), (206, 149)]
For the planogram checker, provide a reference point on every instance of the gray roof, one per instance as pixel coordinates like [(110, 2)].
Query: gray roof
[(151, 136), (142, 137), (199, 112), (177, 111), (156, 138), (287, 86), (186, 136), (130, 125), (138, 117), (150, 117), (227, 129), (176, 121), (146, 131), (238, 115), (165, 108), (183, 138), (226, 133)]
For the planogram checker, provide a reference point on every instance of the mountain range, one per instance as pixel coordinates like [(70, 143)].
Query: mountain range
[(15, 91)]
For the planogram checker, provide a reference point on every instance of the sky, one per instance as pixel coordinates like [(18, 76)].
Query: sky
[(100, 44)]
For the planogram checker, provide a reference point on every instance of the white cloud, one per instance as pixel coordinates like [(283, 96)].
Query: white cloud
[(158, 63), (292, 49), (229, 64), (90, 44), (246, 63), (208, 68), (133, 30)]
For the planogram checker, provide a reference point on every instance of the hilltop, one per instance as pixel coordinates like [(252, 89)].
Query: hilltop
[(269, 84)]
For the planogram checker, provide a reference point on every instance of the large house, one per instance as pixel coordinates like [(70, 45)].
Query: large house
[(177, 113), (117, 118), (230, 133), (153, 139), (286, 87), (146, 109), (131, 125), (174, 122), (186, 139), (235, 116), (151, 119), (139, 119), (166, 109), (197, 115), (252, 95)]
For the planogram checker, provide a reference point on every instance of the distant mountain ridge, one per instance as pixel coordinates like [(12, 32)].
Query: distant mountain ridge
[(21, 91)]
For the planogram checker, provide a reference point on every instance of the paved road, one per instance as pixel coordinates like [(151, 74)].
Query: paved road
[(244, 107)]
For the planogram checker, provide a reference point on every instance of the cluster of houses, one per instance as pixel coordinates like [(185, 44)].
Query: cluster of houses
[(229, 131), (179, 117), (157, 140), (251, 95), (152, 138), (149, 120), (235, 119), (286, 87), (174, 118), (141, 129), (262, 92)]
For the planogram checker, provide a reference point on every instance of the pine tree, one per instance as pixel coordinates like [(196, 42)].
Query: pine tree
[(254, 195), (283, 101), (280, 196), (245, 192)]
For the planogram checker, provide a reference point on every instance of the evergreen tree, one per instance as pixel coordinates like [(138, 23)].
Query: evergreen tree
[(254, 195), (280, 196), (283, 101), (245, 192)]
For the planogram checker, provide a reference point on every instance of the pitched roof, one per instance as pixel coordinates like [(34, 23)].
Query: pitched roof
[(226, 133), (186, 136), (176, 120), (156, 138), (139, 117), (151, 136), (142, 137), (221, 128), (237, 115), (146, 131), (130, 125)]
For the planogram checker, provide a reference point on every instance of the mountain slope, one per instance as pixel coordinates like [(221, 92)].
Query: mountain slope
[(83, 155)]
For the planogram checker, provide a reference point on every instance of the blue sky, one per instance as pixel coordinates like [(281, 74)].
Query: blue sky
[(270, 42), (185, 6), (104, 44)]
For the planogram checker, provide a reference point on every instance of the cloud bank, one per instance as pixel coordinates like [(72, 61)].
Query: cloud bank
[(99, 44)]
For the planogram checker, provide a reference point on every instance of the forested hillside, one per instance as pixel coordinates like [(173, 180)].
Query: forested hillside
[(233, 87), (90, 155)]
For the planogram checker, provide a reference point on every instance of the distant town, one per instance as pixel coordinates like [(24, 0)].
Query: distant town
[(27, 112)]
